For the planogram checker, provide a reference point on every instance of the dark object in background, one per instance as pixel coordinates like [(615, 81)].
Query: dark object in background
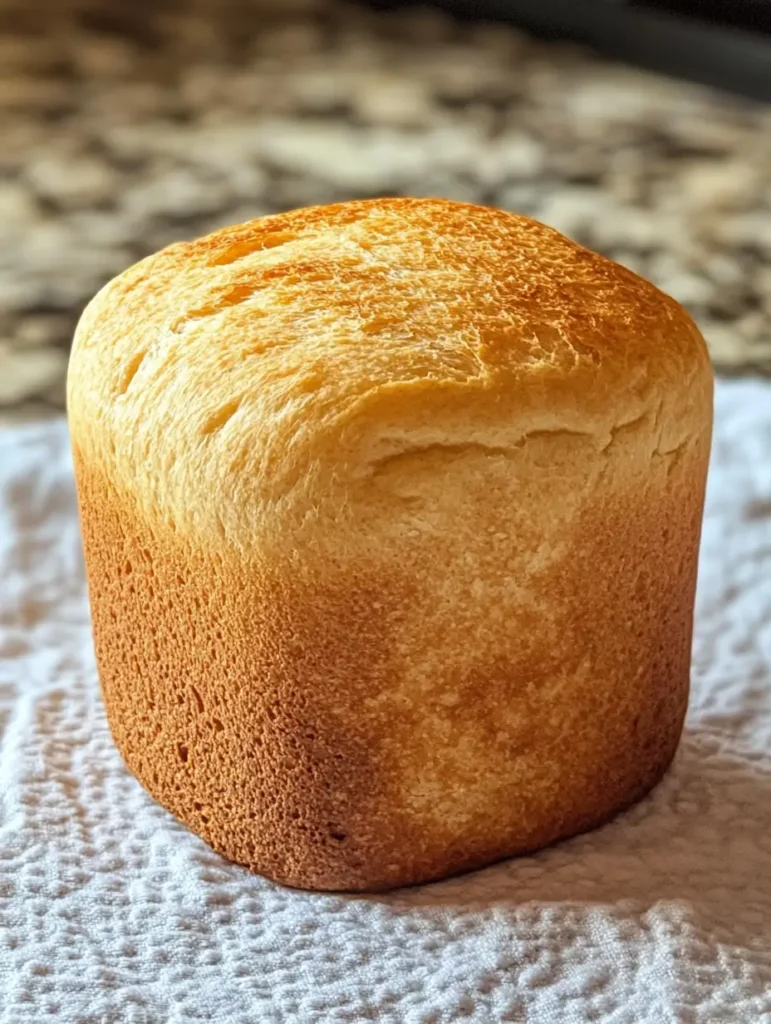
[(725, 44)]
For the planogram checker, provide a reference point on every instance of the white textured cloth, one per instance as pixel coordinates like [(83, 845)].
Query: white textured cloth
[(112, 913)]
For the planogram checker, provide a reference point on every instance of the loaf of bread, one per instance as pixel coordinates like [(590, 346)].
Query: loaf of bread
[(391, 513)]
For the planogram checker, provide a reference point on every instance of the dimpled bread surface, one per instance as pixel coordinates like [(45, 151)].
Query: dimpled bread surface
[(391, 514)]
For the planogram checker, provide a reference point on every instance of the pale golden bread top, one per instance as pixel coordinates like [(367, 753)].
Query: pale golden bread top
[(270, 366)]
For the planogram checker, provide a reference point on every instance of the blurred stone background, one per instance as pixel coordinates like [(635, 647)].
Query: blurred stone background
[(125, 126)]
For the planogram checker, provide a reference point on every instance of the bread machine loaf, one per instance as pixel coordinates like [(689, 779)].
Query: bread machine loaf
[(391, 513)]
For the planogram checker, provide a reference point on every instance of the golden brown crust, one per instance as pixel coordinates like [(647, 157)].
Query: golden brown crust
[(242, 700), (356, 332), (391, 516)]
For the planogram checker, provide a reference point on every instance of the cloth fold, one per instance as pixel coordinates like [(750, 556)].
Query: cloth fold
[(113, 913)]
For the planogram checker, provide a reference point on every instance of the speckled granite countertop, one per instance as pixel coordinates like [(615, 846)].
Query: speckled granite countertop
[(125, 127)]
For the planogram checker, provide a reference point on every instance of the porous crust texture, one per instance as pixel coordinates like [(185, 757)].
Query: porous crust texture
[(391, 516)]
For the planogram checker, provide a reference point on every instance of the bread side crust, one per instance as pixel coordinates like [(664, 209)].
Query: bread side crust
[(299, 721)]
